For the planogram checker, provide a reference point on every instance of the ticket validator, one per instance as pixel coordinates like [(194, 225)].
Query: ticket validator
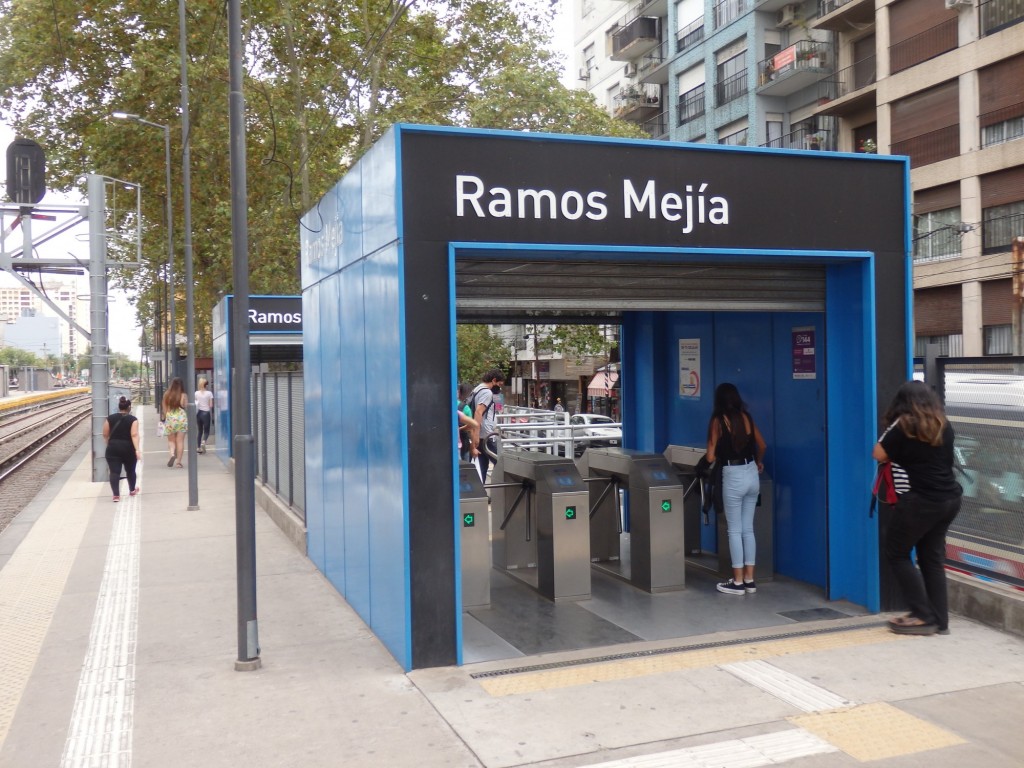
[(474, 540), (540, 532), (656, 559)]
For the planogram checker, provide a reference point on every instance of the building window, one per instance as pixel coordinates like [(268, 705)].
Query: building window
[(728, 10), (732, 79), (998, 339), (1000, 224), (736, 139), (1007, 130), (691, 104), (949, 346), (936, 236)]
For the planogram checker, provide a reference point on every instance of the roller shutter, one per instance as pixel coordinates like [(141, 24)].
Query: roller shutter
[(937, 198), (1002, 187), (938, 311), (997, 302)]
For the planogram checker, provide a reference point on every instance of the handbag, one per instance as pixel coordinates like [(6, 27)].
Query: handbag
[(160, 429), (890, 481)]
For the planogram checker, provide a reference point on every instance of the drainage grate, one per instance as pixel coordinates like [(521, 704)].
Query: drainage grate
[(677, 649), (815, 614)]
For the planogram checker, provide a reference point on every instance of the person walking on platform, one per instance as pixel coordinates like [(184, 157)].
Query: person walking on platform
[(920, 440), (175, 420), (204, 414), (736, 443), (121, 434), (483, 414)]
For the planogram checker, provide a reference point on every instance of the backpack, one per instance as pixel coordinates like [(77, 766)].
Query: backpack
[(890, 482)]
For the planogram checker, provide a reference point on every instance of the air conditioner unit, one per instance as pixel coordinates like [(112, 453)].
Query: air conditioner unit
[(787, 16), (630, 69), (953, 5), (584, 73)]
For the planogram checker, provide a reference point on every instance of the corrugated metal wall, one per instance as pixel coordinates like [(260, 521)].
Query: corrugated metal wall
[(278, 427)]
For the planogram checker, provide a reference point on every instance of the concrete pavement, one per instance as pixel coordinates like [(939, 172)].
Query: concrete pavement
[(118, 641)]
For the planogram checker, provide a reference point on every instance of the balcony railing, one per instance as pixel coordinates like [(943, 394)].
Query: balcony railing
[(999, 14), (1002, 125), (806, 55), (731, 89), (805, 138), (924, 46), (826, 7), (690, 35), (997, 234), (930, 147), (937, 245), (858, 75), (640, 98), (691, 105), (657, 126), (651, 61), (729, 10)]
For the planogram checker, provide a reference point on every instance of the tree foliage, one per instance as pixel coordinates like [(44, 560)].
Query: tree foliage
[(324, 79), (576, 342), (479, 350)]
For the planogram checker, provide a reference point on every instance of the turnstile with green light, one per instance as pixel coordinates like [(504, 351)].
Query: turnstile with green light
[(656, 558), (473, 541), (540, 531)]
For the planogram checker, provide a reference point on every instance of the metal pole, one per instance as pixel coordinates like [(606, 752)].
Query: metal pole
[(170, 252), (1017, 324), (241, 415), (98, 373), (190, 350)]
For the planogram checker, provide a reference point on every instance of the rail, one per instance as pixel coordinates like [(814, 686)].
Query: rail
[(20, 445)]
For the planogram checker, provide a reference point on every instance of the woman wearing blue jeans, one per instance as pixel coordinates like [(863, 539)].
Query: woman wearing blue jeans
[(736, 442)]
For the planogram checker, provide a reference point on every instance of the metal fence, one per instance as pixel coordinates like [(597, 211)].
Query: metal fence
[(984, 399), (279, 430)]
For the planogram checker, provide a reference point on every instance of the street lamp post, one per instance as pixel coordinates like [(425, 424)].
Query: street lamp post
[(170, 351)]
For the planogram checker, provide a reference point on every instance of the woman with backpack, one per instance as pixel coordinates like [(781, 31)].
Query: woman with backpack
[(920, 439), (736, 445)]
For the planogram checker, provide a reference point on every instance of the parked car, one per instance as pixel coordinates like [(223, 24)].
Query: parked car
[(592, 430)]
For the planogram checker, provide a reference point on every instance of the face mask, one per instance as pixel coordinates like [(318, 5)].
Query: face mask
[(496, 389)]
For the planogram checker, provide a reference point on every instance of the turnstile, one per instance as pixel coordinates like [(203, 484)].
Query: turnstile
[(656, 559), (764, 536), (684, 459), (474, 539), (540, 532)]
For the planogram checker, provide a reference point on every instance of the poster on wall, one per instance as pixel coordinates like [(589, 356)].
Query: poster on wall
[(804, 357), (689, 367)]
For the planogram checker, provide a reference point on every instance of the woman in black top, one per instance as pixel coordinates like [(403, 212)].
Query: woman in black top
[(920, 440), (121, 432)]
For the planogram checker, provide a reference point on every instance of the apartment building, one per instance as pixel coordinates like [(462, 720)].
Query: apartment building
[(18, 301), (941, 81)]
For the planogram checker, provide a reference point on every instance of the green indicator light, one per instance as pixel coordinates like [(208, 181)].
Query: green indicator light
[(469, 520), (570, 513), (666, 505)]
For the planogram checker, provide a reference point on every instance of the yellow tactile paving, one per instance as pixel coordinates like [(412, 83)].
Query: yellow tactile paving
[(31, 583), (565, 677), (877, 731)]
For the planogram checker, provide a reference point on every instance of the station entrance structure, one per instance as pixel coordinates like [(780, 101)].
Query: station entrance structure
[(784, 272)]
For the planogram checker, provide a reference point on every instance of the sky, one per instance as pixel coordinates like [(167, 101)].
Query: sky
[(124, 330)]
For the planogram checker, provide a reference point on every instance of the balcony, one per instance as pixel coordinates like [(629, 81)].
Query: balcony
[(849, 90), (795, 68), (651, 67), (815, 139), (633, 37), (656, 127), (924, 46), (731, 89), (997, 15), (691, 105), (843, 15), (637, 103)]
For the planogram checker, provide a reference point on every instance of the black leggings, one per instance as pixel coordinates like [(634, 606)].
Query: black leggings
[(121, 453), (203, 419)]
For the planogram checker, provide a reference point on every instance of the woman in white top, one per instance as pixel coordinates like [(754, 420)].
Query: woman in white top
[(204, 413)]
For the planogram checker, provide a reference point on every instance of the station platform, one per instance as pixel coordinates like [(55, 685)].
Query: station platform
[(118, 642)]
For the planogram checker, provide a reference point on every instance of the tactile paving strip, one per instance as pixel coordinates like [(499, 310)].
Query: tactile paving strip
[(31, 584), (876, 731), (565, 677)]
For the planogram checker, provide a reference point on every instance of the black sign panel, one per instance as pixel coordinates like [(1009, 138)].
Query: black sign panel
[(275, 314), (533, 189)]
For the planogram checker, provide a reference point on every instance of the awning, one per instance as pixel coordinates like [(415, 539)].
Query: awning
[(602, 383)]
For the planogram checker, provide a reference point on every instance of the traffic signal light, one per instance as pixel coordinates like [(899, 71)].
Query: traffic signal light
[(26, 172)]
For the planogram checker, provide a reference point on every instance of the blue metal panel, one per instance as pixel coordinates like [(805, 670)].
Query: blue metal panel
[(379, 169), (852, 408), (320, 238), (387, 454), (350, 209), (797, 458), (222, 393), (334, 436), (686, 418), (351, 400), (313, 408)]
